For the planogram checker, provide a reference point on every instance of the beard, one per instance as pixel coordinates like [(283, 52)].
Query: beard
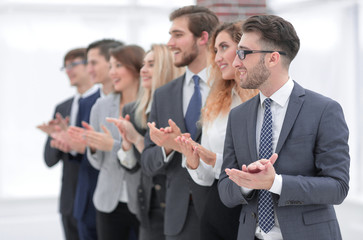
[(188, 57), (257, 76)]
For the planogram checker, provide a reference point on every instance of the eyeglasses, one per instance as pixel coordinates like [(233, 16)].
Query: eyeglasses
[(72, 65), (242, 53)]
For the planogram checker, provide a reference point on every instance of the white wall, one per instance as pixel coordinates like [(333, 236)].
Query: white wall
[(33, 40)]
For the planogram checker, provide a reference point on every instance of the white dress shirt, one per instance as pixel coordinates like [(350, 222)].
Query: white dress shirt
[(213, 136), (279, 104)]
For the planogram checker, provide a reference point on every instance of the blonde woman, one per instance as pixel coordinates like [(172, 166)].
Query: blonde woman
[(204, 161), (158, 69)]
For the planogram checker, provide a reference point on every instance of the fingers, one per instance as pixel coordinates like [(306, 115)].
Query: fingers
[(112, 120), (273, 158), (173, 125), (127, 117), (105, 130), (87, 126)]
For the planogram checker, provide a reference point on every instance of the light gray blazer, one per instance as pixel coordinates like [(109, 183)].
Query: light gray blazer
[(111, 175), (313, 161)]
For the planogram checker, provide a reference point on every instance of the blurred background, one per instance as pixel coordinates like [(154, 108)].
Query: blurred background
[(35, 35)]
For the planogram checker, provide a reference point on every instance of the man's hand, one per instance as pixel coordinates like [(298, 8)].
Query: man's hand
[(98, 140), (257, 175)]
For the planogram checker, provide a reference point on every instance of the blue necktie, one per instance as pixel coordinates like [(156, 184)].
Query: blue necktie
[(80, 113), (193, 112), (266, 219)]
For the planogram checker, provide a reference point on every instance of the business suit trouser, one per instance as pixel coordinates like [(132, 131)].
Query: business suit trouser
[(120, 224), (219, 222), (70, 227)]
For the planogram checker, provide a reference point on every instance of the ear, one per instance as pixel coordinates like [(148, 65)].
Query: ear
[(203, 40), (274, 59)]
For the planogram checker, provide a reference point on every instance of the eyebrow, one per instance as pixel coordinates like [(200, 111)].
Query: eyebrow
[(220, 44), (242, 47), (176, 31)]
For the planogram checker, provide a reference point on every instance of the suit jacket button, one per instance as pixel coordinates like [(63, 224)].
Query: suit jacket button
[(162, 205), (157, 187), (253, 215)]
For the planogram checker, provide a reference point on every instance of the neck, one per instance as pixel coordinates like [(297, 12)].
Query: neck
[(199, 63), (273, 84), (107, 87), (129, 95), (84, 87)]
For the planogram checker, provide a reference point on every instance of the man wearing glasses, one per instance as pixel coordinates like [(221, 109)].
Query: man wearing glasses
[(286, 155), (59, 147)]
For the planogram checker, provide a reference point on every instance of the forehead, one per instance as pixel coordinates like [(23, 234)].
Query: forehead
[(223, 37), (179, 24), (94, 53), (249, 40), (149, 56)]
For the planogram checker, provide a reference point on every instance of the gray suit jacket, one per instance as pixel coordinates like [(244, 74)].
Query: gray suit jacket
[(313, 161), (109, 183), (168, 104)]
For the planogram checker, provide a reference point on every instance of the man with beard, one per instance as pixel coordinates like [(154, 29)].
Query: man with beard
[(286, 156), (178, 103)]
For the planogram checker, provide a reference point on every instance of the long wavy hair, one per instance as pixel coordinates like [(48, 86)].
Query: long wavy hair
[(220, 97), (163, 72)]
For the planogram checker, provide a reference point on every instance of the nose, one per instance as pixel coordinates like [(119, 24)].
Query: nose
[(237, 63), (171, 42), (218, 57), (143, 69)]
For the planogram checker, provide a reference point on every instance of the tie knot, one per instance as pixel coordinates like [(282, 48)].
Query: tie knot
[(196, 79), (268, 102)]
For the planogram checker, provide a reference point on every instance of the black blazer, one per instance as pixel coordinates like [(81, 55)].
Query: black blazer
[(70, 166)]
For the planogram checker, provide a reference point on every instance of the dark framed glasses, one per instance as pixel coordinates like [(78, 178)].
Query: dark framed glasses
[(72, 65), (242, 53)]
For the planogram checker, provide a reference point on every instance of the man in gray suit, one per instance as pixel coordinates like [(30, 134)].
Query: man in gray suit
[(184, 198), (288, 194)]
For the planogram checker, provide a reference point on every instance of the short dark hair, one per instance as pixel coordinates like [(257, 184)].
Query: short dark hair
[(276, 33), (75, 53), (131, 56), (104, 46), (200, 19)]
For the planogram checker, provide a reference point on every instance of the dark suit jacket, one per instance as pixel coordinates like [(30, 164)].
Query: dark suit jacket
[(168, 104), (84, 209), (313, 161), (147, 194), (70, 167)]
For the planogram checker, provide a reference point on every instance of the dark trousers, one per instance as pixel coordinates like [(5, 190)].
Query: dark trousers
[(120, 224), (219, 222), (70, 227), (86, 231)]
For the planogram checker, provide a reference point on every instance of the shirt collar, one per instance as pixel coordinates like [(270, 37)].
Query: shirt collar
[(189, 74), (280, 96), (90, 91)]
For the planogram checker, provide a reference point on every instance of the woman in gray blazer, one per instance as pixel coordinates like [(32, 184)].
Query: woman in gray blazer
[(158, 69), (115, 194)]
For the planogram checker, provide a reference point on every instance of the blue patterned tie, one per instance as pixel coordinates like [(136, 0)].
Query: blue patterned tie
[(266, 218), (193, 112)]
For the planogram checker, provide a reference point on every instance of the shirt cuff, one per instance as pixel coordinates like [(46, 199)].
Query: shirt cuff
[(127, 158), (218, 165), (167, 158), (277, 185)]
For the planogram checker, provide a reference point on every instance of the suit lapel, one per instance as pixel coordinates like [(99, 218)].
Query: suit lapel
[(177, 101), (295, 103), (251, 127)]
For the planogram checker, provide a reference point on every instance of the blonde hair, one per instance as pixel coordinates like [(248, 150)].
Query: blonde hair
[(163, 72), (220, 96)]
